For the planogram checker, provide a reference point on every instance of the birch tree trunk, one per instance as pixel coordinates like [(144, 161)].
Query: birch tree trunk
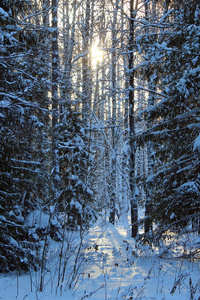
[(86, 99), (113, 95)]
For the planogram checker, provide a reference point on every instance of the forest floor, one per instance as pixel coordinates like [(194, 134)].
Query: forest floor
[(109, 267)]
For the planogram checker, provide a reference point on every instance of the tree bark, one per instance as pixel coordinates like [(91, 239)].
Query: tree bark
[(148, 202), (113, 93), (55, 102), (86, 97), (133, 200)]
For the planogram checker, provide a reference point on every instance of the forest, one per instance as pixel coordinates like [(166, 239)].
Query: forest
[(99, 123)]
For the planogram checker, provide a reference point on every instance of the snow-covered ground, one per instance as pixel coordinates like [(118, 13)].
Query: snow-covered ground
[(110, 267)]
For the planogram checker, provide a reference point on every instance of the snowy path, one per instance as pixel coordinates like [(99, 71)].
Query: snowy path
[(111, 262), (112, 271), (116, 272)]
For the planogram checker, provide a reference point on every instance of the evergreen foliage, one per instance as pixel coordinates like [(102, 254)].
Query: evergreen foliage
[(77, 197), (26, 148), (23, 117), (173, 66)]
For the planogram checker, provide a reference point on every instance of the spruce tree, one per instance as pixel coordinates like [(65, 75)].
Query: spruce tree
[(23, 117), (76, 196), (173, 62)]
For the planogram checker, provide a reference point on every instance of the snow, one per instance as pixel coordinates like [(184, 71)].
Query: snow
[(89, 191), (13, 242), (37, 219), (197, 143), (111, 266), (4, 103), (52, 208), (76, 204), (190, 186), (3, 13)]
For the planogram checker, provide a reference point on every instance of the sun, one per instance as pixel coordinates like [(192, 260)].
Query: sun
[(96, 55)]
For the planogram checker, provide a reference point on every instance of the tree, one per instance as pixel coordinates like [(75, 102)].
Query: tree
[(55, 101), (133, 200), (77, 197), (23, 111), (150, 14), (114, 111), (74, 139), (174, 67)]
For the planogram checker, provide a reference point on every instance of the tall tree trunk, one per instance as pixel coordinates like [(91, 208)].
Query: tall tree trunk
[(150, 156), (68, 47), (125, 158), (55, 102), (86, 99), (113, 95), (133, 200)]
